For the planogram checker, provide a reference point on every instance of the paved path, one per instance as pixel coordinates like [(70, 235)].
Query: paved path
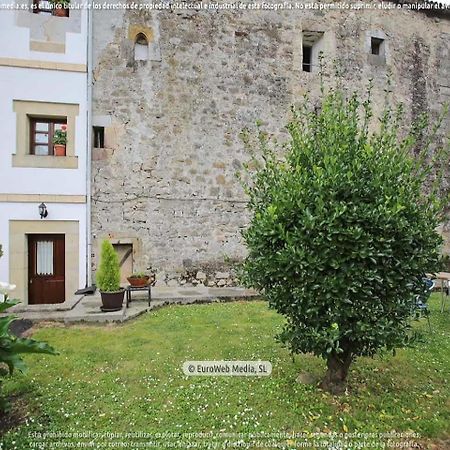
[(87, 308)]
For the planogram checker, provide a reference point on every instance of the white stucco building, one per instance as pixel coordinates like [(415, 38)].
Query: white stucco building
[(43, 86)]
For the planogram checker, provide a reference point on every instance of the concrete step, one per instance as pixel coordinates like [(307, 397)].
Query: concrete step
[(87, 308)]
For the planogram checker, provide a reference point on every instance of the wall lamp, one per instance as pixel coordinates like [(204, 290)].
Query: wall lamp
[(43, 210)]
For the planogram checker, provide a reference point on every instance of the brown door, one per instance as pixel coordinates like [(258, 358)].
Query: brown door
[(46, 268)]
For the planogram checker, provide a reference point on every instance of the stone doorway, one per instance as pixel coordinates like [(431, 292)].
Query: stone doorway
[(125, 254)]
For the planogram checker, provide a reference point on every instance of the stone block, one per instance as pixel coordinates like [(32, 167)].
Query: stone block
[(222, 275)]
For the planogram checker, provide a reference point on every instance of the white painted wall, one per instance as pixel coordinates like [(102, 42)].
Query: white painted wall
[(15, 39), (54, 86), (29, 211), (47, 86)]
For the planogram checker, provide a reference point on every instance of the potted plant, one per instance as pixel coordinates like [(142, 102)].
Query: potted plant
[(60, 7), (108, 278), (139, 279), (60, 140)]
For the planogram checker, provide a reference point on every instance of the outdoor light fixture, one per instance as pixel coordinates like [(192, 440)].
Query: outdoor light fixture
[(43, 210)]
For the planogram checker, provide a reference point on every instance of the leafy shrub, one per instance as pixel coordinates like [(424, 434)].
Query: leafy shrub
[(342, 230), (11, 347), (108, 274)]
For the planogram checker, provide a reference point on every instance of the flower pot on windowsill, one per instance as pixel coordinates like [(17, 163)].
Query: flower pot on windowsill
[(61, 12), (59, 150)]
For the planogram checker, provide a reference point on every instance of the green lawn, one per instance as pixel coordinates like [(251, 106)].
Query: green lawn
[(126, 379)]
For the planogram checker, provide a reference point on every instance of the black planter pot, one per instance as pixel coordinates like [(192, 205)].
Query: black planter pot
[(112, 301)]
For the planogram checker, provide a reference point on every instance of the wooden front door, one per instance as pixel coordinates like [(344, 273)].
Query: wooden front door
[(46, 268)]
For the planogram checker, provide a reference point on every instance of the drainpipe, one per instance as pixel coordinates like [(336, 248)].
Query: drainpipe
[(89, 146)]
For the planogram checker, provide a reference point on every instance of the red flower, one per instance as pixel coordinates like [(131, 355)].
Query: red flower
[(64, 127)]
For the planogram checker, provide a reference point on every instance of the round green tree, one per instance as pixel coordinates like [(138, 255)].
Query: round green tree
[(108, 273), (343, 228)]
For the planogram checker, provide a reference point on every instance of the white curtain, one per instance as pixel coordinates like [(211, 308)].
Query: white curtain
[(44, 258)]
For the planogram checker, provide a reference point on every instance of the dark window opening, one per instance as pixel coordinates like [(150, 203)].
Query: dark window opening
[(141, 39), (376, 46), (99, 137), (42, 132), (307, 56), (42, 6)]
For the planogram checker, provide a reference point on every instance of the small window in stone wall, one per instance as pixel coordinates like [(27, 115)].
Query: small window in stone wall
[(377, 46), (99, 137), (141, 48), (311, 47), (307, 66)]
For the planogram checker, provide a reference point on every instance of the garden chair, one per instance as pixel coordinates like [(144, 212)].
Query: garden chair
[(421, 302)]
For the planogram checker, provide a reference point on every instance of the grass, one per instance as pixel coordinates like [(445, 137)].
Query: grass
[(128, 379)]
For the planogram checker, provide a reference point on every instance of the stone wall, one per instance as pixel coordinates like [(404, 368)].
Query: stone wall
[(166, 174)]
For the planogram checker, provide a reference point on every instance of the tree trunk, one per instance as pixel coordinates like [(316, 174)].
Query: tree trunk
[(335, 378)]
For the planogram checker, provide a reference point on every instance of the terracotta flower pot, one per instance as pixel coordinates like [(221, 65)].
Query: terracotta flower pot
[(59, 150), (61, 12), (138, 282), (112, 301)]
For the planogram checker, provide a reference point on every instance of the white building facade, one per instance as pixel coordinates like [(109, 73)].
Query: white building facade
[(43, 191)]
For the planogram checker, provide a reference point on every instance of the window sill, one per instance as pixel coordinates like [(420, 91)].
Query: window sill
[(50, 162), (376, 60), (49, 47)]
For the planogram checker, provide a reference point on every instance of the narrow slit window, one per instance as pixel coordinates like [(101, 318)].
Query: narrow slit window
[(307, 59), (141, 48), (376, 46), (99, 137)]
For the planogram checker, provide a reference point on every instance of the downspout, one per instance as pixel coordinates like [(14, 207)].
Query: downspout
[(89, 146)]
